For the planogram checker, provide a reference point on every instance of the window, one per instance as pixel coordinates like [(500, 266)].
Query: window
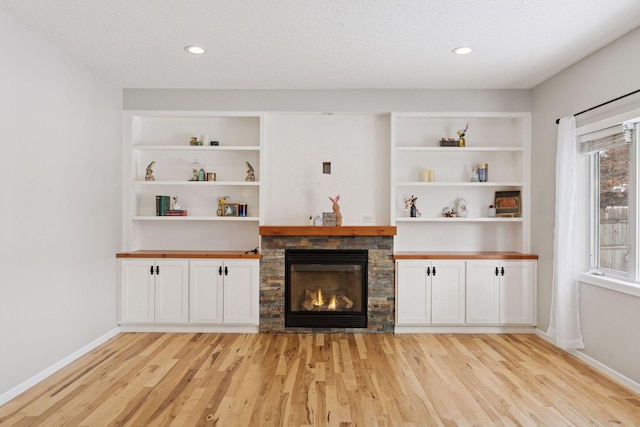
[(612, 185)]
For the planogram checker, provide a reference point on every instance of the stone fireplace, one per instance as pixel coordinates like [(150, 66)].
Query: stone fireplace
[(376, 301)]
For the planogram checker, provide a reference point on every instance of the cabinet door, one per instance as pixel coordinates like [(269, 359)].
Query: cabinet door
[(206, 291), (447, 292), (518, 292), (241, 291), (136, 291), (413, 293), (482, 293), (172, 291)]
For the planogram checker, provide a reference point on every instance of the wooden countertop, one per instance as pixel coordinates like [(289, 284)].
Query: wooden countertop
[(479, 255), (354, 230), (188, 254)]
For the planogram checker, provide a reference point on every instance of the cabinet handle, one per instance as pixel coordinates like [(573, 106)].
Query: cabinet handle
[(428, 271), (157, 269), (226, 270), (151, 270), (434, 271), (496, 271), (220, 271), (502, 271)]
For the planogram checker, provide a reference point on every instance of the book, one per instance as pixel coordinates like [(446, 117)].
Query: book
[(162, 205), (176, 212), (448, 143)]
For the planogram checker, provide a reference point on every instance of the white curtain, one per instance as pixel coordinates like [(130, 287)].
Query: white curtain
[(564, 326)]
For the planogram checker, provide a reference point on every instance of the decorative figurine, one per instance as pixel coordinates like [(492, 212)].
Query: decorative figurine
[(149, 175), (195, 171), (251, 176), (176, 204), (221, 202), (336, 209)]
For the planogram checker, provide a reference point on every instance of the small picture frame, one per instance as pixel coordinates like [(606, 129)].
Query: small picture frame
[(230, 209), (508, 203)]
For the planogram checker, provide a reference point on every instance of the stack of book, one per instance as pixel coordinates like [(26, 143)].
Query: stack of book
[(176, 212), (163, 207)]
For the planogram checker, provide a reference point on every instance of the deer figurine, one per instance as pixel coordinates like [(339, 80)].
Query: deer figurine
[(336, 209)]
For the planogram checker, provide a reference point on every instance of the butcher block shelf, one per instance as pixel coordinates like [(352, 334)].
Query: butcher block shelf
[(357, 230), (188, 254), (464, 255)]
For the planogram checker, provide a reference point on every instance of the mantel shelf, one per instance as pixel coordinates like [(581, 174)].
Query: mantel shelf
[(286, 230), (476, 255)]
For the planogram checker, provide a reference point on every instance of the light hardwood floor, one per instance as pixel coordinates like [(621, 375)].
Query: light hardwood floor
[(148, 379)]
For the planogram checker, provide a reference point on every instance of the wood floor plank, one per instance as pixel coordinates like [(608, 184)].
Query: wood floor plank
[(325, 380)]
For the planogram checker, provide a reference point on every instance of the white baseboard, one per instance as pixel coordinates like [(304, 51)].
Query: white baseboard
[(611, 373), (15, 391), (207, 329), (438, 329)]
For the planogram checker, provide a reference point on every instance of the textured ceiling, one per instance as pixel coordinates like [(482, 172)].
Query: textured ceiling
[(328, 44)]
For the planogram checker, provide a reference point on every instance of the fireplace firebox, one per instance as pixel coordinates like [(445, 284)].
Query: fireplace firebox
[(326, 288)]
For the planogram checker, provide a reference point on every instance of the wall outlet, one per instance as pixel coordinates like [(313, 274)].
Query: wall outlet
[(367, 218)]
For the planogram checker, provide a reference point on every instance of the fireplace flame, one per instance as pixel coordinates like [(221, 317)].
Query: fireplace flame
[(332, 304), (319, 301)]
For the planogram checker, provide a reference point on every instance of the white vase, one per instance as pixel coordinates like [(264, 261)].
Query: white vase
[(491, 212)]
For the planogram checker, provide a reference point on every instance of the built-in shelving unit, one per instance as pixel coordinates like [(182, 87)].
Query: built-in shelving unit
[(164, 137), (502, 140)]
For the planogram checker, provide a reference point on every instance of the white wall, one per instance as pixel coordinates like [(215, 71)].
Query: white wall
[(607, 74), (356, 146), (371, 101), (60, 135)]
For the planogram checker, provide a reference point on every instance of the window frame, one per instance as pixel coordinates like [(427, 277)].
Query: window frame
[(593, 214)]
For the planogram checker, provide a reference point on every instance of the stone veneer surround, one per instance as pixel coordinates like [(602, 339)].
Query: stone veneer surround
[(381, 280)]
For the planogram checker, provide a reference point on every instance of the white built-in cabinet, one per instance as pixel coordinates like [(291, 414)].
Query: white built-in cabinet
[(430, 292), (224, 291), (501, 292), (164, 138), (154, 291), (502, 140), (465, 292), (189, 292), (206, 288)]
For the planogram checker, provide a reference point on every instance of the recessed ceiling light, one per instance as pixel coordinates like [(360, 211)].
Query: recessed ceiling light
[(196, 50), (462, 50)]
